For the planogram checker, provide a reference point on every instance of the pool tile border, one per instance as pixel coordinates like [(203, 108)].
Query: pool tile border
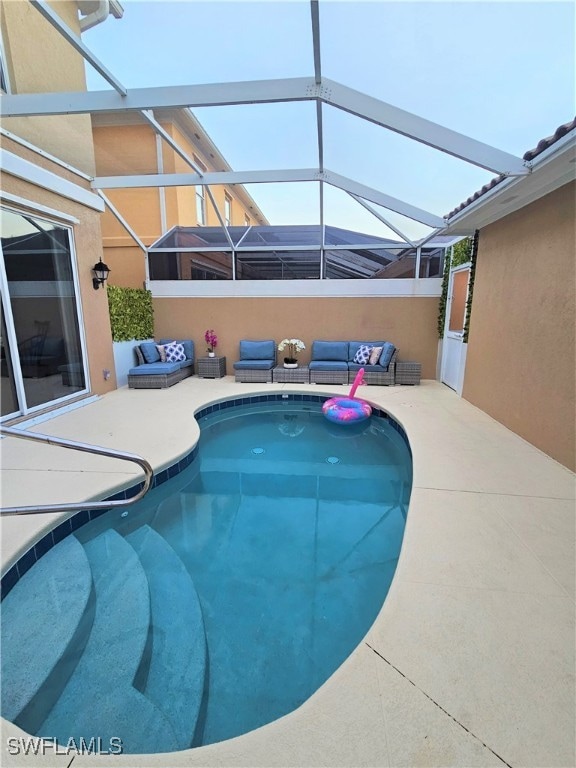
[(24, 563)]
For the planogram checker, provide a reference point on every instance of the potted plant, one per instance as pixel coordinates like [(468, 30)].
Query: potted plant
[(212, 340), (292, 347)]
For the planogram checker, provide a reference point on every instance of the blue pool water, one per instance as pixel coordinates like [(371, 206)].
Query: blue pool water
[(224, 598)]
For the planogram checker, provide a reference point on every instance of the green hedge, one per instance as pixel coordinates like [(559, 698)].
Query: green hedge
[(473, 255), (131, 313), (458, 254), (462, 252)]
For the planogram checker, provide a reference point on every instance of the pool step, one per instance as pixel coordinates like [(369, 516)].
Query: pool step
[(202, 528), (50, 609), (177, 665), (327, 479), (99, 699)]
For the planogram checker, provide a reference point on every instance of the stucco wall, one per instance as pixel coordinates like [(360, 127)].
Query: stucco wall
[(39, 60), (409, 323), (127, 149), (88, 244), (132, 149), (521, 354)]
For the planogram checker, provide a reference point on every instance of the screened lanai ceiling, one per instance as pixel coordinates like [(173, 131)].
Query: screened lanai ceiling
[(289, 252), (275, 102)]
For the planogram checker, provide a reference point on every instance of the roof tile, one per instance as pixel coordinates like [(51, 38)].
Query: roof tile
[(543, 144)]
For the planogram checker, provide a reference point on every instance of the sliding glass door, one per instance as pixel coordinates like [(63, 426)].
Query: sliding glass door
[(42, 350)]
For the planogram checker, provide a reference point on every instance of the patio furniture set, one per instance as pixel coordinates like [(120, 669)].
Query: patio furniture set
[(164, 363)]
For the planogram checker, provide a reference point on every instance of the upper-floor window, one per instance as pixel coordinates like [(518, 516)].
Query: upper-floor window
[(227, 210), (246, 220), (200, 206)]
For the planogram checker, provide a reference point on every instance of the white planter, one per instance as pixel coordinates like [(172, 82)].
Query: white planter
[(211, 354), (125, 358), (290, 365)]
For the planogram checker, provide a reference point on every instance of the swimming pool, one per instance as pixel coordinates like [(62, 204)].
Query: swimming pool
[(226, 597)]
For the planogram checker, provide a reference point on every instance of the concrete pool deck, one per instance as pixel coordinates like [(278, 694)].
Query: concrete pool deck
[(471, 659)]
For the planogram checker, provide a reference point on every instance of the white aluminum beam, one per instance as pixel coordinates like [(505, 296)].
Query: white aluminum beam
[(14, 165), (431, 236), (261, 92), (417, 262), (422, 130), (210, 177), (262, 247), (52, 17), (190, 249), (259, 177), (383, 219), (148, 115), (375, 246), (316, 40), (243, 236), (320, 135), (161, 190), (386, 201), (123, 221), (161, 97)]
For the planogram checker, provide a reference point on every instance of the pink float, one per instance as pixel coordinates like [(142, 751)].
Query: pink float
[(348, 410)]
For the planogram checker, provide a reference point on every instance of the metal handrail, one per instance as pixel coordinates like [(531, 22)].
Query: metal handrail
[(87, 448)]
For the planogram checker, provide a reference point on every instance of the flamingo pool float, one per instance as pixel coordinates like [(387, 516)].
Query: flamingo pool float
[(348, 410)]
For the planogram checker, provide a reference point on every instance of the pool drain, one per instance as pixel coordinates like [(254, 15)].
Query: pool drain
[(258, 451), (333, 460)]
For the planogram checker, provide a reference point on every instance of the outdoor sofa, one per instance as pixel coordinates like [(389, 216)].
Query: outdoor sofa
[(257, 359), (333, 362), (154, 373)]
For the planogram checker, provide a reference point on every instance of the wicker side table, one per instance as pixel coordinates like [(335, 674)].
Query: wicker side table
[(211, 367), (300, 375), (408, 373)]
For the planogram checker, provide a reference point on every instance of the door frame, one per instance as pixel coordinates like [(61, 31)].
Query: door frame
[(454, 349)]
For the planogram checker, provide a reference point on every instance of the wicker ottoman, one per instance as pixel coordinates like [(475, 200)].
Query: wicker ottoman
[(328, 377), (408, 373), (300, 375), (211, 367), (253, 375)]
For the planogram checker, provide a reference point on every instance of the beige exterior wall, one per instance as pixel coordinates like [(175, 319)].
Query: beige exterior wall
[(121, 150), (39, 60), (409, 323), (521, 354), (132, 149)]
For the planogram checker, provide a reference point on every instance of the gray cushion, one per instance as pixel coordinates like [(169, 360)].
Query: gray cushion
[(388, 350), (327, 365), (139, 356), (330, 350), (258, 350), (149, 352), (154, 368), (255, 365)]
